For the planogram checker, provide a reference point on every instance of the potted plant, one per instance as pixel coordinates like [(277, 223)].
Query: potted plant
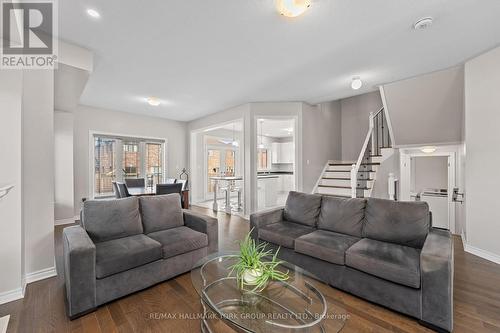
[(256, 266)]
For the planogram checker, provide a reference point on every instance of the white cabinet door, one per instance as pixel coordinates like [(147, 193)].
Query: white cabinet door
[(275, 152), (287, 152)]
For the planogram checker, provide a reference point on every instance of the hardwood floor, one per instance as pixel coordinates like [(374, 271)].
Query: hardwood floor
[(476, 301)]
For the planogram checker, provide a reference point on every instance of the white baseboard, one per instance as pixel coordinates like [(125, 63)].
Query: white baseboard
[(41, 274), (482, 253), (71, 220), (11, 295), (16, 294)]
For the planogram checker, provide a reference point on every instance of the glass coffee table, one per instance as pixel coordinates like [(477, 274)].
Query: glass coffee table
[(294, 305)]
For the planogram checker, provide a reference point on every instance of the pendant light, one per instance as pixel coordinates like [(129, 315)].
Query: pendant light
[(234, 143), (261, 144)]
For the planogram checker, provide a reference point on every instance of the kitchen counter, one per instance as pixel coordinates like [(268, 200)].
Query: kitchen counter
[(275, 173), (265, 176)]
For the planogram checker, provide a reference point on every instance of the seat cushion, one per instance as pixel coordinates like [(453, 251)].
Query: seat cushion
[(404, 223), (283, 233), (342, 215), (161, 212), (118, 255), (325, 245), (396, 263), (302, 208), (179, 240), (111, 219)]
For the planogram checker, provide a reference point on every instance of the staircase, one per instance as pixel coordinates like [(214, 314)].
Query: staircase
[(355, 179)]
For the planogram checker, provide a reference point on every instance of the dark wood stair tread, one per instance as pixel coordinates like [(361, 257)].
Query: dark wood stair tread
[(343, 178), (344, 164), (335, 186)]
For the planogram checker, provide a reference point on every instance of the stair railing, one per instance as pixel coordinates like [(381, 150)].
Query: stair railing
[(315, 188), (375, 120)]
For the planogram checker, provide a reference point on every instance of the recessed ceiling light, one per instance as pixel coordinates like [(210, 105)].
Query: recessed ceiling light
[(428, 149), (153, 101), (93, 13), (423, 23), (292, 8), (356, 83)]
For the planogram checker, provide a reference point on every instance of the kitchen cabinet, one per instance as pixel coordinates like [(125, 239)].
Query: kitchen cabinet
[(288, 183), (282, 152)]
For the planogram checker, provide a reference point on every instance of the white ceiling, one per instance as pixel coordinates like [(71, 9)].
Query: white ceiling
[(204, 56), (274, 128)]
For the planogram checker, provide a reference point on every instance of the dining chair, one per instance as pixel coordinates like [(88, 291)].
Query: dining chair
[(170, 181), (169, 188), (116, 190), (135, 182), (183, 182), (123, 189)]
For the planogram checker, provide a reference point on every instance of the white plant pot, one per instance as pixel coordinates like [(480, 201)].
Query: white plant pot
[(250, 276)]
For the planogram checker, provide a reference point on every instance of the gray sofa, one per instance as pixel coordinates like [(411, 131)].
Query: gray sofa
[(384, 251), (126, 245)]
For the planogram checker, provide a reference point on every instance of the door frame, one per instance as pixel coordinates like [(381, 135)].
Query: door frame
[(297, 167), (405, 176)]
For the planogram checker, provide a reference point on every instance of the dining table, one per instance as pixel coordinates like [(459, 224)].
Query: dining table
[(146, 191)]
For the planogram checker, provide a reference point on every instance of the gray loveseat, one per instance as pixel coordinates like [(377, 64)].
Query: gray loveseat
[(384, 251), (126, 245)]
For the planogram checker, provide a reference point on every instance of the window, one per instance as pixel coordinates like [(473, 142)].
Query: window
[(118, 158), (262, 159)]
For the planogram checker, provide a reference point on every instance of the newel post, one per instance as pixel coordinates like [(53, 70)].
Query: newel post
[(354, 181), (371, 128)]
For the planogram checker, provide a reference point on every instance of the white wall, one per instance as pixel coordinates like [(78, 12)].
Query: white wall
[(63, 166), (106, 121), (38, 170), (482, 127), (11, 251), (355, 122), (321, 126), (427, 109), (430, 172)]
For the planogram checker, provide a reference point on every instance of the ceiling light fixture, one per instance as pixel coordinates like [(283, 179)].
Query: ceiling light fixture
[(153, 101), (93, 13), (423, 23), (428, 149), (292, 8), (356, 83)]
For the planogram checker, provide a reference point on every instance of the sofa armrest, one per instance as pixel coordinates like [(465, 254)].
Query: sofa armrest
[(205, 224), (79, 255), (436, 269), (260, 219)]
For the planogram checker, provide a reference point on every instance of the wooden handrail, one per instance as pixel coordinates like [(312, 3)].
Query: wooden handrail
[(355, 167)]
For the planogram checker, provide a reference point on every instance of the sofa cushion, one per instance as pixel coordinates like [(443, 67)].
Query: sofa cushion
[(302, 208), (118, 255), (283, 233), (179, 240), (342, 215), (161, 212), (325, 245), (405, 223), (396, 263), (111, 219)]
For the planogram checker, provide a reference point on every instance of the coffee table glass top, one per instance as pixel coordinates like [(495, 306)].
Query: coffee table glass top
[(294, 305)]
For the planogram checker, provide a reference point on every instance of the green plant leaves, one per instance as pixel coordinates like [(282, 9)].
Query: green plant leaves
[(253, 257)]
